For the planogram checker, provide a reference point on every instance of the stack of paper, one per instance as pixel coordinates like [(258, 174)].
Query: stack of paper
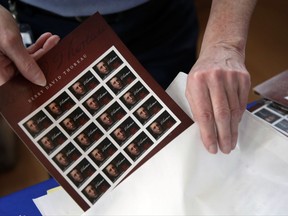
[(184, 179)]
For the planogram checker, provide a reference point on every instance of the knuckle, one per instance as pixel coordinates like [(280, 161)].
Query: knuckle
[(204, 116), (217, 75), (244, 76), (235, 113), (222, 114), (198, 76), (246, 80), (28, 66)]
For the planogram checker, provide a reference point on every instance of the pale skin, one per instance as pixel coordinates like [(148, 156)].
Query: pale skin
[(13, 54), (217, 85)]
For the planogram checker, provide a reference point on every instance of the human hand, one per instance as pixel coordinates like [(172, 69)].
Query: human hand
[(15, 57), (217, 91)]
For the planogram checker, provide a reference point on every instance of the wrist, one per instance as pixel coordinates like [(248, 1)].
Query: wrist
[(229, 46)]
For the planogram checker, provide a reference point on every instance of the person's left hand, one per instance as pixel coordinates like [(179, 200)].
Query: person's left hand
[(217, 91), (8, 67), (43, 44)]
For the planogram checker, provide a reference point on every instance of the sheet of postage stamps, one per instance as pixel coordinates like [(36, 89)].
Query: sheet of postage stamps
[(99, 117)]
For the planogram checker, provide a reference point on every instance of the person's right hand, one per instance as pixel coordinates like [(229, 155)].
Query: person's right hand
[(217, 91), (15, 57)]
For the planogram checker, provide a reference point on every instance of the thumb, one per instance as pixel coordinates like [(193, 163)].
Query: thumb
[(26, 65)]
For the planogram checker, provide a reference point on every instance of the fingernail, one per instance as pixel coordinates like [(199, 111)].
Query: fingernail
[(57, 39), (226, 149), (40, 80), (234, 145), (212, 149)]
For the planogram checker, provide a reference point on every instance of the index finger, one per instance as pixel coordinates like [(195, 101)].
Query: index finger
[(198, 97)]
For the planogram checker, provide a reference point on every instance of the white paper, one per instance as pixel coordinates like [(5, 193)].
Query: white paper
[(57, 203), (184, 179), (176, 90)]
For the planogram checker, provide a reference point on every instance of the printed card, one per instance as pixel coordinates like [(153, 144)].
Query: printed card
[(100, 116)]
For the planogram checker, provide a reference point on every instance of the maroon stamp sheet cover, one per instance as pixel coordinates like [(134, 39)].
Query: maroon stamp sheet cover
[(100, 116)]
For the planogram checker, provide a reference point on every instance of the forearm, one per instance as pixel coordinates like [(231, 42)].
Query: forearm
[(228, 24)]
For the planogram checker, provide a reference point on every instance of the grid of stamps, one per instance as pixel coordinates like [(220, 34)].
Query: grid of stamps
[(98, 127), (275, 115)]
